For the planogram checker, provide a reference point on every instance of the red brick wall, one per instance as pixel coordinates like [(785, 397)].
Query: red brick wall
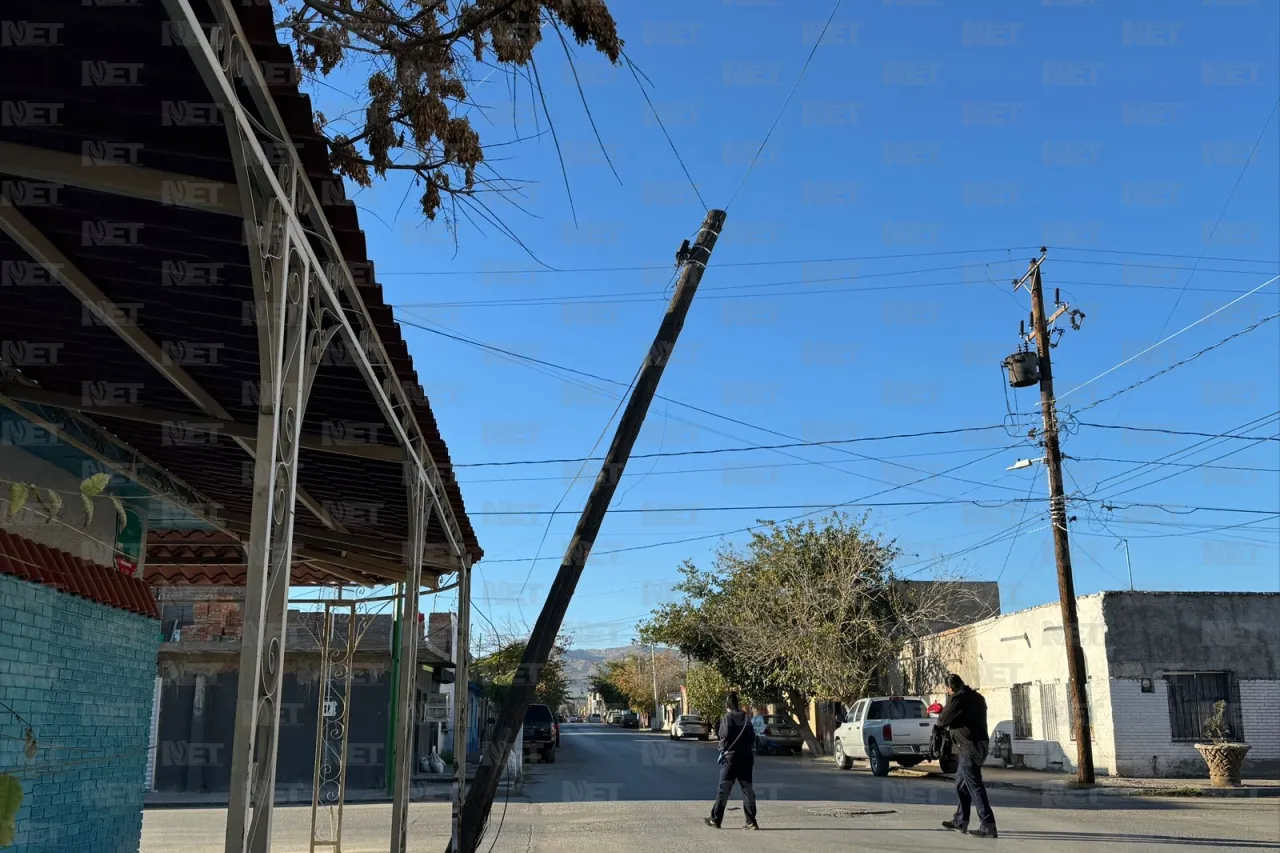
[(214, 620), (440, 631)]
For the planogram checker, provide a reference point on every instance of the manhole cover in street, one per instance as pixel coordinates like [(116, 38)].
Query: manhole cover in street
[(848, 812)]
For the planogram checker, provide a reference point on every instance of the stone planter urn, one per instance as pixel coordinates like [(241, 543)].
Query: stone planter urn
[(1225, 760)]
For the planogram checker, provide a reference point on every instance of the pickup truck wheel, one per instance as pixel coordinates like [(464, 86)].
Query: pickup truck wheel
[(551, 755), (843, 762), (879, 765)]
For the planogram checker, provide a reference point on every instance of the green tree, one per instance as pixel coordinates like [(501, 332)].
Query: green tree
[(497, 669), (630, 679), (706, 689), (806, 610), (609, 692)]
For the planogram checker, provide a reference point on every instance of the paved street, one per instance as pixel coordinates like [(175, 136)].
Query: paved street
[(614, 790)]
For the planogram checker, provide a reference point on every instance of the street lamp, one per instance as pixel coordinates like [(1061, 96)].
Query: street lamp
[(1023, 463)]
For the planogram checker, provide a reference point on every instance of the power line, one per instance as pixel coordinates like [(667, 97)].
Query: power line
[(1218, 310), (1177, 432), (1141, 462), (802, 464), (1223, 212), (1209, 240), (1185, 470), (834, 442), (845, 259), (747, 449), (701, 410), (662, 125), (988, 504), (1183, 452), (731, 292), (721, 534), (1178, 364), (816, 44), (1022, 520), (1200, 257)]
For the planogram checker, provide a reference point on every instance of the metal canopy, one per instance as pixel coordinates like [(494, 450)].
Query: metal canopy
[(145, 298), (185, 296)]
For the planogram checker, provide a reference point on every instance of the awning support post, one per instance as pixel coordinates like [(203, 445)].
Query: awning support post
[(419, 513)]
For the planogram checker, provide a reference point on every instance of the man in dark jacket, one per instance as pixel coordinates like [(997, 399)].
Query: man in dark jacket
[(737, 759), (965, 719)]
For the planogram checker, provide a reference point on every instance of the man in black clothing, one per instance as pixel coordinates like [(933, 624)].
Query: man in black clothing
[(737, 758), (965, 719)]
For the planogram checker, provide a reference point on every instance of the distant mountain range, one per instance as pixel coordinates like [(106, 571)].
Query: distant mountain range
[(580, 664)]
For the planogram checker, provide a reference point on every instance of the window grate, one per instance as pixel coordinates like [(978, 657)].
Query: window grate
[(1022, 710), (1191, 700), (1049, 710)]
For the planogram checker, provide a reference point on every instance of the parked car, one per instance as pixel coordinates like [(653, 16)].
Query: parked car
[(776, 734), (690, 725), (629, 720), (612, 718), (883, 729), (594, 718), (540, 733)]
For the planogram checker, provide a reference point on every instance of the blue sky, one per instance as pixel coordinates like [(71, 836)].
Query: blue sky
[(940, 144)]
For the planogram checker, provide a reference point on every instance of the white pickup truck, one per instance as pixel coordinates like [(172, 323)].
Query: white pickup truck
[(883, 729)]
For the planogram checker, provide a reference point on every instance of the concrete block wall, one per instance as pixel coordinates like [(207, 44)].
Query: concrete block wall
[(1144, 735), (83, 675), (1260, 708)]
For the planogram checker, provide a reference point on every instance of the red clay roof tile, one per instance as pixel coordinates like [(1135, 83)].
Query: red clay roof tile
[(40, 564)]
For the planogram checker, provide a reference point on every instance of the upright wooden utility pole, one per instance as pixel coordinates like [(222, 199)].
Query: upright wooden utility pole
[(475, 810), (655, 723), (1061, 546)]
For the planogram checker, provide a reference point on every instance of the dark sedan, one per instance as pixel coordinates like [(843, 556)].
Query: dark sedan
[(776, 735)]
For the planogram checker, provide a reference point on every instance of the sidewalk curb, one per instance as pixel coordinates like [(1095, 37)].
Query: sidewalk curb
[(420, 792), (1173, 791)]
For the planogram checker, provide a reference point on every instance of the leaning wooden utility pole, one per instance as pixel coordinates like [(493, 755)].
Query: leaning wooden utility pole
[(475, 810), (1061, 545)]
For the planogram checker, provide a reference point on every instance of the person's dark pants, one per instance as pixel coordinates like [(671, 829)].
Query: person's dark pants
[(731, 773), (970, 789)]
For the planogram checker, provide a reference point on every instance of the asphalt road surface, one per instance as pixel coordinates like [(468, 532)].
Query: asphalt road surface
[(622, 791)]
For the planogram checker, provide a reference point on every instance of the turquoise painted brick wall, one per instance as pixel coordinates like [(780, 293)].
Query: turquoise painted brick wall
[(83, 676)]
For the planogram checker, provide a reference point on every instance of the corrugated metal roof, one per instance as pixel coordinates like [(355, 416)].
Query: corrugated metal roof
[(131, 274), (40, 564)]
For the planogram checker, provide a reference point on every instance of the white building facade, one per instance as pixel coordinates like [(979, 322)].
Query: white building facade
[(1156, 662)]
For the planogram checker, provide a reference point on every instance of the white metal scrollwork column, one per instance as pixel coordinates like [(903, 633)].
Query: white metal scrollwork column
[(419, 514), (333, 717), (293, 330)]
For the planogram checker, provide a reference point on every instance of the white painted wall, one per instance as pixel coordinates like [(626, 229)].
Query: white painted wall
[(94, 543), (1132, 729), (1026, 647)]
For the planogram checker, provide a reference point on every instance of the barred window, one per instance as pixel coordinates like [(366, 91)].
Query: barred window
[(1191, 700)]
